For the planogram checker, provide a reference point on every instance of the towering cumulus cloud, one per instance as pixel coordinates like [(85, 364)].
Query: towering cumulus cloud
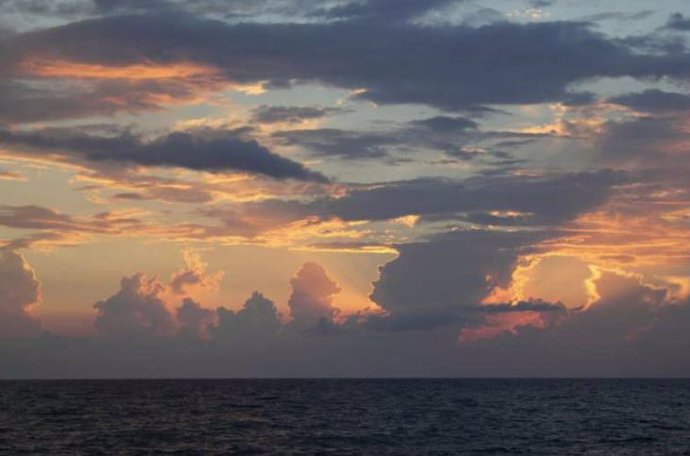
[(19, 290), (135, 310), (311, 301), (257, 320), (445, 281)]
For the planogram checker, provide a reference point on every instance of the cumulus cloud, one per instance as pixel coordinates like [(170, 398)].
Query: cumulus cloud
[(311, 301), (258, 319), (444, 282), (194, 321), (633, 329), (136, 310), (19, 291), (623, 333)]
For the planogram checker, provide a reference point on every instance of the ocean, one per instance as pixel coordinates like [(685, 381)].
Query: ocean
[(345, 417)]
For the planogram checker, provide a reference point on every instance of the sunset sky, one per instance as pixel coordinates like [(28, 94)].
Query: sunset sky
[(344, 188)]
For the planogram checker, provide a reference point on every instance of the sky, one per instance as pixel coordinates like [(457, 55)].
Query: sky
[(344, 188)]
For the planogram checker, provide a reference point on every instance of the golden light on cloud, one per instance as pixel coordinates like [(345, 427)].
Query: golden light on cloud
[(552, 278), (150, 70), (409, 220)]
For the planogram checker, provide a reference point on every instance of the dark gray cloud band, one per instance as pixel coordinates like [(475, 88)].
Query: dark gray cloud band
[(212, 151)]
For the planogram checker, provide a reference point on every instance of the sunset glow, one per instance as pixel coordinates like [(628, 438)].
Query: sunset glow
[(345, 183)]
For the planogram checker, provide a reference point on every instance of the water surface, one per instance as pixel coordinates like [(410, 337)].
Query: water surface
[(208, 417)]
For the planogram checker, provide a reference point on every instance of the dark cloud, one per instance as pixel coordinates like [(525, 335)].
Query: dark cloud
[(443, 133), (381, 10), (49, 99), (506, 200), (524, 306), (194, 321), (257, 320), (644, 141), (654, 101), (212, 151), (22, 102), (464, 154), (136, 310), (548, 199), (445, 124), (332, 142), (290, 114), (678, 22), (530, 63), (443, 282), (619, 16)]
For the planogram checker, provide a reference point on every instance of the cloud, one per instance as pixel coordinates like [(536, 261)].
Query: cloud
[(444, 282), (644, 142), (194, 275), (550, 199), (633, 329), (194, 321), (51, 98), (136, 310), (11, 176), (445, 124), (678, 22), (19, 291), (333, 142), (654, 101), (624, 333), (618, 16), (57, 228), (266, 114), (311, 301), (212, 151), (541, 59), (257, 320), (509, 201), (381, 11), (443, 133)]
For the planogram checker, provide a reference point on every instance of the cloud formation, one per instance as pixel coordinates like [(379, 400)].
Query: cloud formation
[(531, 175), (212, 151), (19, 291), (523, 55), (136, 310), (633, 329), (444, 282), (311, 301)]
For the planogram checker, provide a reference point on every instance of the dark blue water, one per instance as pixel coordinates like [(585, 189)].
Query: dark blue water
[(483, 417)]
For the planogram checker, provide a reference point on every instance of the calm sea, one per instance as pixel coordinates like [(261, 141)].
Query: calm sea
[(340, 417)]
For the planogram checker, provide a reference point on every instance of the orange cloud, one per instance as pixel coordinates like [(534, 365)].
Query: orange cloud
[(66, 69)]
